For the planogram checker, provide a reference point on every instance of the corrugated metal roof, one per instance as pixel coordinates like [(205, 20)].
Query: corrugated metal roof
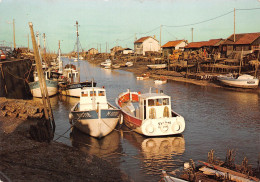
[(172, 43)]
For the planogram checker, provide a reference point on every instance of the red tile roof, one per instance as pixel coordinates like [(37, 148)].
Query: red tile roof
[(142, 39), (172, 43), (214, 42), (244, 38), (196, 44)]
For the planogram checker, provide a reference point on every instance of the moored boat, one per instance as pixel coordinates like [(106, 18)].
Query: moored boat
[(161, 80), (107, 63), (168, 178), (129, 64), (150, 114), (93, 114), (143, 76), (157, 66), (242, 81)]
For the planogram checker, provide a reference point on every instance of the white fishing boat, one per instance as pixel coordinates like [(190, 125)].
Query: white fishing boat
[(157, 66), (161, 80), (52, 85), (107, 63), (150, 114), (242, 81), (115, 66), (93, 114)]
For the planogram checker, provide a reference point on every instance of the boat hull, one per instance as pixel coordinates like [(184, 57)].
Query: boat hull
[(95, 124), (252, 83), (157, 66), (52, 88)]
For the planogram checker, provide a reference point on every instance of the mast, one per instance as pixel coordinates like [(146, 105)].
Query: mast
[(14, 33), (59, 59), (77, 25)]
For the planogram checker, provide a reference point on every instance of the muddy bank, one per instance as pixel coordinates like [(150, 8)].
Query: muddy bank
[(23, 159), (141, 67)]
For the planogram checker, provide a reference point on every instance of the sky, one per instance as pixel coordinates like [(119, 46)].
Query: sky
[(109, 23)]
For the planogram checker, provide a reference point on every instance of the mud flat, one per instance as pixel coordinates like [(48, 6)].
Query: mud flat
[(23, 159)]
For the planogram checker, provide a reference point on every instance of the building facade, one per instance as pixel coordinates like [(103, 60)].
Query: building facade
[(145, 44)]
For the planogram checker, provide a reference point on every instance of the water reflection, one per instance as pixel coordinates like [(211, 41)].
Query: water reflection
[(103, 147), (159, 152)]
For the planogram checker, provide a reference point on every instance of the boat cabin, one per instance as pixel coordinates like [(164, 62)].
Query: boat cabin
[(154, 106), (93, 98), (71, 74)]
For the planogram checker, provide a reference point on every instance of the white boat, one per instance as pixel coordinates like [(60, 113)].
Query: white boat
[(143, 76), (93, 114), (150, 114), (242, 81), (129, 64), (162, 80), (52, 85), (107, 63), (168, 178), (115, 66), (157, 66), (81, 57)]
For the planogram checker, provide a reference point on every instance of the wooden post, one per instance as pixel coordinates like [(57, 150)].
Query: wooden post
[(45, 97), (256, 66), (3, 76), (240, 64)]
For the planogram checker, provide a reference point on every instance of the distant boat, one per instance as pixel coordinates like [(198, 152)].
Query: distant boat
[(115, 66), (161, 80), (52, 85), (150, 114), (143, 76), (129, 64), (93, 114), (157, 66), (81, 58), (242, 81), (106, 63)]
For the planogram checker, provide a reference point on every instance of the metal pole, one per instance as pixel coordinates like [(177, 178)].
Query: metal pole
[(14, 33)]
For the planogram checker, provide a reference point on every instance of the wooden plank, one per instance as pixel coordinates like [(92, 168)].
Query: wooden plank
[(225, 170)]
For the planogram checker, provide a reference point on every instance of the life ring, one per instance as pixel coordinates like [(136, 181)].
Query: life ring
[(149, 128), (164, 128), (176, 126)]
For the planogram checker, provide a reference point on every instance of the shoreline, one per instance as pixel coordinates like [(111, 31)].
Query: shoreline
[(174, 76), (24, 159)]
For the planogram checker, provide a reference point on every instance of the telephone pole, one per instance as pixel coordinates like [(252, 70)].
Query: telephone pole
[(14, 33), (191, 34), (160, 36), (234, 24)]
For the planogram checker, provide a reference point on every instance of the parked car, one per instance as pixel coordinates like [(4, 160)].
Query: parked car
[(2, 55)]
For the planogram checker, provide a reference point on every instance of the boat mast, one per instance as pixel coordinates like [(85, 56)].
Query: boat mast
[(59, 59), (77, 25)]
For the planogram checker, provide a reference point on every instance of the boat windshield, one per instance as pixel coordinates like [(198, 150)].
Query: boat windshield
[(158, 102)]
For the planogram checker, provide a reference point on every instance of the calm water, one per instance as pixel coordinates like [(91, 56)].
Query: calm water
[(216, 118)]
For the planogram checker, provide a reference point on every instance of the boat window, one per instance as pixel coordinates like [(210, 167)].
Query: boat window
[(93, 93), (101, 93), (84, 94), (166, 112), (69, 75), (151, 102), (158, 102), (152, 113), (165, 101)]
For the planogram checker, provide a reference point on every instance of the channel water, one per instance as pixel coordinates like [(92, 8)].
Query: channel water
[(216, 118)]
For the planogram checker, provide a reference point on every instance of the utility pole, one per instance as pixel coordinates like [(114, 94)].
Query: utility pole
[(160, 36), (234, 24), (191, 34), (45, 97), (28, 44), (14, 33), (44, 47)]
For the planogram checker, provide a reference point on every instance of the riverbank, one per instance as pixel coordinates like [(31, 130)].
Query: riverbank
[(141, 68), (23, 159)]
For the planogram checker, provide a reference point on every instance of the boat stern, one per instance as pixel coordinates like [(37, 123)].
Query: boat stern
[(163, 126)]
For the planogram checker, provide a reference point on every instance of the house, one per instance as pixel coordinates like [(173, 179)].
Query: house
[(170, 46), (115, 49), (245, 41), (92, 51), (128, 51), (145, 44)]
